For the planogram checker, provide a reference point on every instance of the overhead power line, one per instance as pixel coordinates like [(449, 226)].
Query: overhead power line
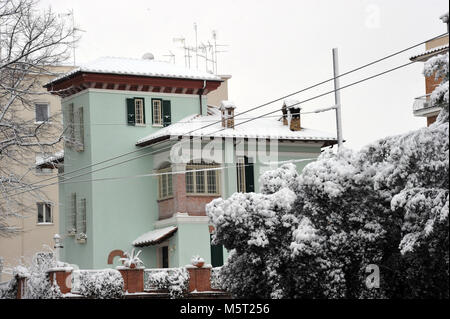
[(252, 119), (249, 110)]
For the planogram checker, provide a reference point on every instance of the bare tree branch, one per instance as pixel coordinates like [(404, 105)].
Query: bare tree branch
[(32, 41)]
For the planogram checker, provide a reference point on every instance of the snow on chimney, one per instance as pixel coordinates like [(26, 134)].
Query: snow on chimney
[(291, 114), (227, 111)]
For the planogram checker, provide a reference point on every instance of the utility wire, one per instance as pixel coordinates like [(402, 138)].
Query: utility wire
[(168, 147), (219, 168), (254, 108)]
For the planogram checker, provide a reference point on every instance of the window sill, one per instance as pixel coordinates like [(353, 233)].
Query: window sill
[(202, 195), (157, 125), (42, 122), (140, 125), (163, 199), (45, 224)]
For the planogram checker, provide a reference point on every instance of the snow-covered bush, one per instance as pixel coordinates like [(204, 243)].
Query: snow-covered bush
[(216, 278), (39, 285), (256, 228), (101, 284), (10, 290), (314, 235), (175, 280)]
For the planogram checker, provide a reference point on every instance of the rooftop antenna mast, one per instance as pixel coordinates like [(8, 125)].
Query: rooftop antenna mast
[(204, 48), (74, 29), (186, 54), (216, 51)]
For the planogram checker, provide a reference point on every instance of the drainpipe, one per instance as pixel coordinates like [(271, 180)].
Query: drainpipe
[(200, 93)]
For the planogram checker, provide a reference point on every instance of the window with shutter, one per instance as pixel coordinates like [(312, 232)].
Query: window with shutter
[(245, 175), (136, 111)]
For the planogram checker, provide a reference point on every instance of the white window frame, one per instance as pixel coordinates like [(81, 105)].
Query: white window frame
[(241, 174), (139, 112), (157, 117), (203, 167), (48, 112), (44, 215), (165, 180)]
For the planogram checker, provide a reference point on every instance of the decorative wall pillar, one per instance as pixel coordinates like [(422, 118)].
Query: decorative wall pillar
[(179, 188), (199, 278), (62, 277), (133, 279)]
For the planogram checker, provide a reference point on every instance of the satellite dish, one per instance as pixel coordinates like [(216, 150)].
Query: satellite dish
[(148, 56)]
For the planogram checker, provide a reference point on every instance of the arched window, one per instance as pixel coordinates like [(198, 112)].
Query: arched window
[(165, 189), (204, 179)]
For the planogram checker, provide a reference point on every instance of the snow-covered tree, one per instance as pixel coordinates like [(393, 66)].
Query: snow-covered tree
[(31, 42), (315, 235)]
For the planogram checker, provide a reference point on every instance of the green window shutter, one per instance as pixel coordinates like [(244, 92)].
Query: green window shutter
[(249, 177), (166, 113), (216, 254), (143, 109), (131, 116)]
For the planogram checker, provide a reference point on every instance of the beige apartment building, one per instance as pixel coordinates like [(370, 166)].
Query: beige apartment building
[(40, 210), (422, 105)]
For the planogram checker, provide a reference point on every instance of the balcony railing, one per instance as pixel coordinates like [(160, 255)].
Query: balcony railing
[(422, 103)]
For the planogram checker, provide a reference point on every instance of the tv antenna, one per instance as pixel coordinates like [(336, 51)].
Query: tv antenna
[(187, 51), (74, 30)]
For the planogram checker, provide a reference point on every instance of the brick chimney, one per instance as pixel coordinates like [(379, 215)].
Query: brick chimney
[(291, 114), (227, 111)]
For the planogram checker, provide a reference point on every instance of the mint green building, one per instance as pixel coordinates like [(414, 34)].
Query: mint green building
[(144, 153)]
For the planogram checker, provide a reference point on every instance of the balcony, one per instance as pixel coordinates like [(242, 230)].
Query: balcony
[(422, 106)]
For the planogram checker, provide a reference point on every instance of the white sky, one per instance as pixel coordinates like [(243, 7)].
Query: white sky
[(278, 47)]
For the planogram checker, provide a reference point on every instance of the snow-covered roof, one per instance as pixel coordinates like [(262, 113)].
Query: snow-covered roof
[(51, 160), (432, 51), (258, 128), (154, 237), (141, 67)]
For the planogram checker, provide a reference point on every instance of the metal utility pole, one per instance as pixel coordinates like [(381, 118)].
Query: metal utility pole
[(337, 98)]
